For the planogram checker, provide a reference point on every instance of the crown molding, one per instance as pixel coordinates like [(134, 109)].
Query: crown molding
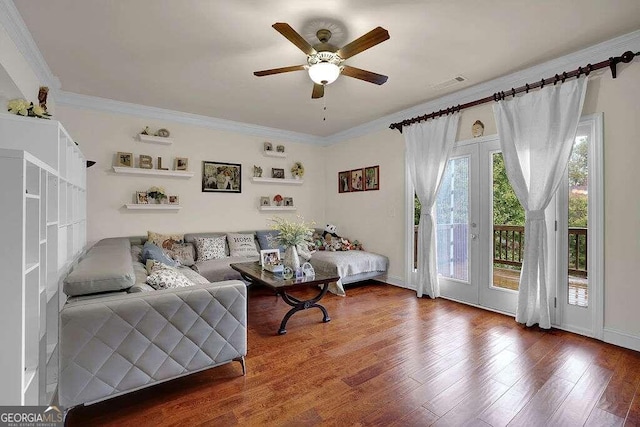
[(11, 20), (592, 54), (76, 100)]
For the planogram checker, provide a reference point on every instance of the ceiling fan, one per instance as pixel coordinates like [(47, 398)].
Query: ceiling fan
[(325, 61)]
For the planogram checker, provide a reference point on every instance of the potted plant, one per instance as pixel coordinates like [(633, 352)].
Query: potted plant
[(290, 235), (157, 193), (297, 170)]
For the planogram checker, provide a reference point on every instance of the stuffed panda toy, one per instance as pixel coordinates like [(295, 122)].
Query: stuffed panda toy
[(330, 233)]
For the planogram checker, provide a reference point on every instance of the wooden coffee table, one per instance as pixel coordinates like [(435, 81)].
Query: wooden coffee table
[(253, 272)]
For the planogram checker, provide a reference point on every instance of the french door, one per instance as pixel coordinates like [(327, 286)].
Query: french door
[(480, 232), (465, 229)]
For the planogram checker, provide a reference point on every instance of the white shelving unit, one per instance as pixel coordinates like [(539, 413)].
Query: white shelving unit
[(274, 153), (154, 139), (276, 208), (42, 180), (152, 172), (285, 181), (150, 207)]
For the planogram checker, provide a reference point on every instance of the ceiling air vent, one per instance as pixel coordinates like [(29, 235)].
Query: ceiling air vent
[(448, 83)]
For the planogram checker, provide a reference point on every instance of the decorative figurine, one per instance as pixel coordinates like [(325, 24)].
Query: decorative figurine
[(42, 97), (257, 171), (145, 131), (477, 129)]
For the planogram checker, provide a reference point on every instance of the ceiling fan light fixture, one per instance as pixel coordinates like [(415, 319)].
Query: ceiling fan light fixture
[(324, 73)]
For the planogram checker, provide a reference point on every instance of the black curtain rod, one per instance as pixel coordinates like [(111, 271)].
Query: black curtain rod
[(611, 63)]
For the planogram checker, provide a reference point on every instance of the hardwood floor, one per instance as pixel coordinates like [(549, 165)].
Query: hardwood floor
[(389, 358)]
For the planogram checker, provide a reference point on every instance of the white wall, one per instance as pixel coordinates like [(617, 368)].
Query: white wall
[(100, 135), (379, 216)]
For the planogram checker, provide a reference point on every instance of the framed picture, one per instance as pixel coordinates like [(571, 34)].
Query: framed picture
[(174, 200), (265, 201), (277, 173), (357, 180), (124, 159), (288, 201), (142, 198), (372, 178), (181, 164), (280, 148), (344, 182), (221, 177), (269, 257), (268, 146)]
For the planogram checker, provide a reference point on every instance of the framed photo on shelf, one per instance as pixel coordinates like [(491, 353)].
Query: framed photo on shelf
[(269, 257), (265, 201), (277, 173), (218, 177), (344, 182), (372, 178), (288, 201), (268, 146), (174, 200), (124, 159), (357, 180), (142, 198), (181, 164)]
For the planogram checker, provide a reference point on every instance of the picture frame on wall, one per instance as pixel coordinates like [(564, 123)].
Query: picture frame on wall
[(277, 173), (372, 178), (181, 164), (265, 201), (174, 200), (288, 201), (124, 159), (357, 180), (142, 198), (220, 177), (344, 182)]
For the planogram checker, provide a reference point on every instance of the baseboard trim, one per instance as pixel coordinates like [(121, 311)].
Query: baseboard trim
[(622, 339), (399, 282)]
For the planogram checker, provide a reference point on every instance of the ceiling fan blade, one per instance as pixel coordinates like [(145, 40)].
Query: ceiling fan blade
[(372, 38), (318, 91), (367, 76), (295, 38), (278, 70)]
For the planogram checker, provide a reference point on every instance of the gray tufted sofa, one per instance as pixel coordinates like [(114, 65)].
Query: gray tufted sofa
[(113, 342)]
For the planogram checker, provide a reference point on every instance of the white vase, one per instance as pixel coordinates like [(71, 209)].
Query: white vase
[(291, 258)]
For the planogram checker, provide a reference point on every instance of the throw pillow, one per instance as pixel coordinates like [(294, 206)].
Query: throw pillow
[(164, 277), (242, 245), (183, 253), (210, 247), (153, 252), (165, 241), (266, 239)]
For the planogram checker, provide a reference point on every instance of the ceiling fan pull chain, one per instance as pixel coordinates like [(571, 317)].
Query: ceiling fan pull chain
[(324, 108)]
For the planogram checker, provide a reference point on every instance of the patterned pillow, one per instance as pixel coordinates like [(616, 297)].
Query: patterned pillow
[(242, 244), (164, 277), (210, 247), (183, 253), (165, 241)]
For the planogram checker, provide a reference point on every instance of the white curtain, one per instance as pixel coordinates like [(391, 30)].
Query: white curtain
[(537, 132), (428, 145)]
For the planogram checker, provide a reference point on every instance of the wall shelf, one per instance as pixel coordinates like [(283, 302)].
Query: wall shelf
[(152, 172), (274, 154), (277, 208), (154, 139), (286, 181), (136, 206)]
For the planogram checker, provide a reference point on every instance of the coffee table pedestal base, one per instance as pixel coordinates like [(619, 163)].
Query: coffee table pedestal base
[(299, 305)]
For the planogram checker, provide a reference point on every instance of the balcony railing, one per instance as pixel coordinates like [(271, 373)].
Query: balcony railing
[(508, 245)]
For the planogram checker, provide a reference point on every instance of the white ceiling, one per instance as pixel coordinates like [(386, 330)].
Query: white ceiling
[(198, 56)]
